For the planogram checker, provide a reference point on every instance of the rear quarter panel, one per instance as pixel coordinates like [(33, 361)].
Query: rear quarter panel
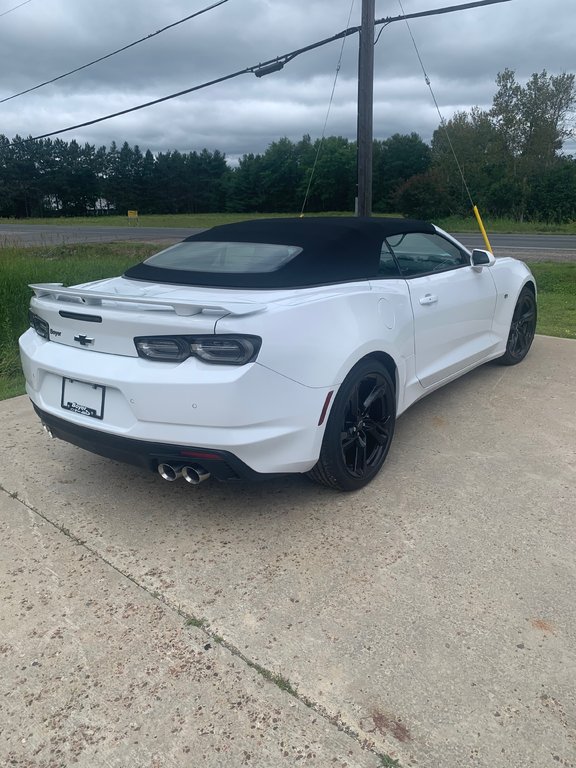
[(316, 340)]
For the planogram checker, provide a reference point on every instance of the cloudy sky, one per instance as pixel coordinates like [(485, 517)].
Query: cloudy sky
[(462, 53)]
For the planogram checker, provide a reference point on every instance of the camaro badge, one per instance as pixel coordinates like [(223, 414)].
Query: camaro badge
[(83, 339)]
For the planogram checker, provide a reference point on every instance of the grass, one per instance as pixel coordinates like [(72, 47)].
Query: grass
[(388, 762), (451, 224), (73, 264), (556, 298), (198, 623), (69, 264), (153, 220)]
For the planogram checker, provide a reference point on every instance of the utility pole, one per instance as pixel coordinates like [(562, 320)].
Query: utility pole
[(365, 108), (365, 117)]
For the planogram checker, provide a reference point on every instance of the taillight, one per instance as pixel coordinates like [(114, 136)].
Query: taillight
[(163, 348), (40, 326), (237, 350), (221, 350)]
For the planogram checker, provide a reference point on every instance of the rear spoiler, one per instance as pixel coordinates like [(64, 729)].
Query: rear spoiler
[(57, 292)]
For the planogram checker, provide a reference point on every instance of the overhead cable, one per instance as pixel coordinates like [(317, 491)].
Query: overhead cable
[(272, 65), (5, 13), (440, 115), (113, 53), (321, 142)]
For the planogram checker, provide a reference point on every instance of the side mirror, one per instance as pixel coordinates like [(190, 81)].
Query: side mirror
[(481, 258)]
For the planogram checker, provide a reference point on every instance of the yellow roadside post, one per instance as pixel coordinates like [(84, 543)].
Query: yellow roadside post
[(482, 230)]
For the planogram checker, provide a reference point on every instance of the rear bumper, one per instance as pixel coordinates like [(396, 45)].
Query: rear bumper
[(221, 464), (255, 421)]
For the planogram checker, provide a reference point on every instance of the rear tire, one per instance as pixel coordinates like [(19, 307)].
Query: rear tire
[(359, 430), (522, 329)]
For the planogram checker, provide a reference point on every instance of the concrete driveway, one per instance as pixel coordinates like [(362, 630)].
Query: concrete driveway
[(429, 619)]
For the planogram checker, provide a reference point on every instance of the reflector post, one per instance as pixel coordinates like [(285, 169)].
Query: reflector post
[(482, 230)]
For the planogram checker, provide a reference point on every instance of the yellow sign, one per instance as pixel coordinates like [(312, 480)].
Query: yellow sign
[(132, 217)]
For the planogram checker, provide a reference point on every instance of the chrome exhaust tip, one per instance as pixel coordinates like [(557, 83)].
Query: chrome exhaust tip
[(48, 431), (169, 473), (195, 474)]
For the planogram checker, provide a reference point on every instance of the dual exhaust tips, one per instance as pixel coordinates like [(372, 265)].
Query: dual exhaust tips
[(192, 473)]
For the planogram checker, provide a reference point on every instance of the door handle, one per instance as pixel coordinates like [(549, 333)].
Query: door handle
[(429, 299)]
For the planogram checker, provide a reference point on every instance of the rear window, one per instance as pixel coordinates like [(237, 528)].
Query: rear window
[(216, 257)]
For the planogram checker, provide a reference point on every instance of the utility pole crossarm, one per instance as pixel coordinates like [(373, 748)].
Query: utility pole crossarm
[(438, 11), (366, 87)]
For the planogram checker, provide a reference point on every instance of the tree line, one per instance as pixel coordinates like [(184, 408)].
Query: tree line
[(510, 156)]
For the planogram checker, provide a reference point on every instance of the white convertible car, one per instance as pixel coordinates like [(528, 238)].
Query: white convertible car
[(271, 346)]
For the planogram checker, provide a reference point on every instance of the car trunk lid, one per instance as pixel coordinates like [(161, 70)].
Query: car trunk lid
[(105, 316)]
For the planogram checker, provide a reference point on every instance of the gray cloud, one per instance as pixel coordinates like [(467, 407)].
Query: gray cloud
[(462, 53)]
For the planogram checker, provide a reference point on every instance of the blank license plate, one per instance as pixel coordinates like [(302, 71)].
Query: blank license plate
[(84, 398)]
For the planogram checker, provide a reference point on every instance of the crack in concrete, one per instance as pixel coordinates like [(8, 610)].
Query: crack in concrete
[(190, 620)]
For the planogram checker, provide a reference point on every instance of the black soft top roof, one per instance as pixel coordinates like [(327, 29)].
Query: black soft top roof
[(334, 250)]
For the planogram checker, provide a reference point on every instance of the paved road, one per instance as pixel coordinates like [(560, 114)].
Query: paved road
[(537, 242), (429, 616), (38, 234), (529, 247)]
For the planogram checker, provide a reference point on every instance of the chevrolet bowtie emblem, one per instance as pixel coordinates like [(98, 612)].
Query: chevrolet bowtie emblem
[(83, 339)]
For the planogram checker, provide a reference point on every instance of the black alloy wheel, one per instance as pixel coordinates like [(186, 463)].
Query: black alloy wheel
[(522, 329), (359, 430)]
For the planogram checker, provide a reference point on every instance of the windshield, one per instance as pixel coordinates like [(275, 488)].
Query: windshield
[(216, 257)]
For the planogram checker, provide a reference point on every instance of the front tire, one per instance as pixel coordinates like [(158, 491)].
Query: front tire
[(359, 430), (522, 329)]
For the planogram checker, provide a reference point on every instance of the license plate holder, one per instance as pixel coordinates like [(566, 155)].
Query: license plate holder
[(83, 397)]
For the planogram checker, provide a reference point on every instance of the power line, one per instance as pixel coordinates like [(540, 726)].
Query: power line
[(264, 68), (445, 127), (108, 55), (440, 115), (319, 149), (5, 13), (147, 104), (272, 65)]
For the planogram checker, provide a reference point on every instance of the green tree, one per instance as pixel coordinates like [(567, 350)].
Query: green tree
[(510, 149), (23, 177), (552, 195), (73, 177), (281, 177), (397, 159), (533, 120), (333, 185), (472, 139), (424, 197), (122, 174), (146, 187), (6, 194), (171, 183), (207, 174), (245, 193)]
